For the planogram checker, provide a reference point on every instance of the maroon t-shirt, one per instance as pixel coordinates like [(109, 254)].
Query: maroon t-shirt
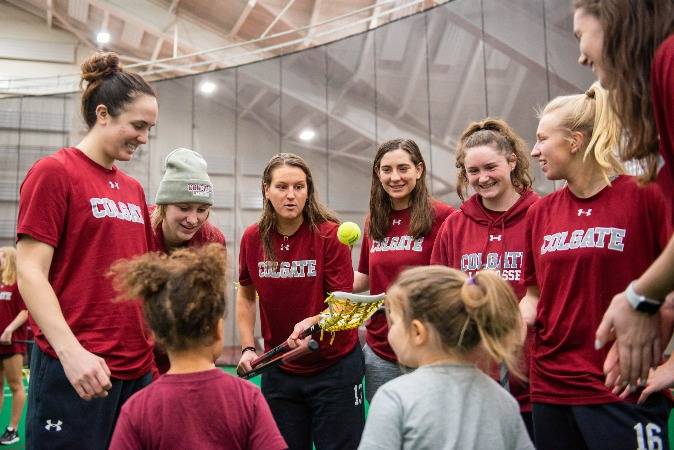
[(92, 216), (201, 410), (309, 264), (475, 238), (580, 253), (11, 304), (662, 90), (383, 260)]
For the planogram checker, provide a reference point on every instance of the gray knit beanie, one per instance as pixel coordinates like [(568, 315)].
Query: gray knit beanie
[(185, 179)]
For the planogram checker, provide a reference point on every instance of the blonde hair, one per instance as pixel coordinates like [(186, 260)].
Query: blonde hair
[(591, 115), (9, 267), (463, 311)]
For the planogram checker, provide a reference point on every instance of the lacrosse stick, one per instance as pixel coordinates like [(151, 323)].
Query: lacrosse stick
[(303, 349), (345, 311)]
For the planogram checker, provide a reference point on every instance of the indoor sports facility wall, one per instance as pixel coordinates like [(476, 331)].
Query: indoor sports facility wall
[(424, 77)]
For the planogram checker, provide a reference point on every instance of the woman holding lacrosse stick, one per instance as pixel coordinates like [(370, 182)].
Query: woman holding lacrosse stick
[(399, 232), (629, 45), (293, 259), (13, 316), (183, 298), (439, 321), (180, 217), (602, 228), (78, 213), (488, 232)]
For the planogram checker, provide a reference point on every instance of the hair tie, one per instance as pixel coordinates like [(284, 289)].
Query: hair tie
[(471, 281)]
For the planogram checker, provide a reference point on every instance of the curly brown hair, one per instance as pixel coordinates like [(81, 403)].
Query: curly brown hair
[(498, 134), (183, 294), (633, 30)]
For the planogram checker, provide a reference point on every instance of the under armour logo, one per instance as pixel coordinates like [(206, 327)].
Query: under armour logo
[(53, 426), (587, 213), (397, 222), (113, 185), (494, 237), (285, 246)]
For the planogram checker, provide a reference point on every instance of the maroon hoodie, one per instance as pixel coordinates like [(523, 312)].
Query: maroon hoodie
[(476, 238)]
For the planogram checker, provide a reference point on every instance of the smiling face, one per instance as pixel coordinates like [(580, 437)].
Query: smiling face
[(287, 192), (588, 31), (553, 149), (488, 172), (182, 222), (398, 176), (123, 134)]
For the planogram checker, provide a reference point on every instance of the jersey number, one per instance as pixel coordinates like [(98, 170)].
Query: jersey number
[(650, 440), (358, 394)]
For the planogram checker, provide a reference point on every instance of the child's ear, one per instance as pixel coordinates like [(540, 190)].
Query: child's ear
[(419, 332), (220, 329)]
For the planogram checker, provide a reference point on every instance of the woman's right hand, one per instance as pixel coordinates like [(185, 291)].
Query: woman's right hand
[(244, 363), (87, 373)]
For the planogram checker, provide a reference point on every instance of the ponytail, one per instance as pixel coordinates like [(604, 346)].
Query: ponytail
[(463, 311)]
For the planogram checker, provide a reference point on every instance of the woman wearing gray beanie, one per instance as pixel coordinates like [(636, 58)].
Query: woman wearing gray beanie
[(184, 200), (180, 219)]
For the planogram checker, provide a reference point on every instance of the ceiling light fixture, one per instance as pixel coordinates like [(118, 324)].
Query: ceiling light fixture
[(307, 135), (103, 37), (207, 87)]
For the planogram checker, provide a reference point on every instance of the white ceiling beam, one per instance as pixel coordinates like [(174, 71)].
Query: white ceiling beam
[(146, 26), (312, 21), (50, 9), (242, 18), (277, 18)]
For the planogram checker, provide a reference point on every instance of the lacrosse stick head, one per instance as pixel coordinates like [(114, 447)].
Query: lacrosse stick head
[(346, 311)]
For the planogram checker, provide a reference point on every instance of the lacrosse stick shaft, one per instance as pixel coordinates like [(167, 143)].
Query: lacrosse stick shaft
[(292, 355), (279, 349)]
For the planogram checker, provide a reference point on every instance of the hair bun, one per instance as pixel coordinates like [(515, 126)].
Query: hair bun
[(100, 65)]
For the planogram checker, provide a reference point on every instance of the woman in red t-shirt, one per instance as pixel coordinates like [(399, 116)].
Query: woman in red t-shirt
[(180, 217), (13, 315), (586, 242), (629, 44), (78, 214), (400, 230), (488, 232), (291, 258)]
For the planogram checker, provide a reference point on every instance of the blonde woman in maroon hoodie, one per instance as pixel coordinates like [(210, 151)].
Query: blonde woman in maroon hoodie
[(488, 232)]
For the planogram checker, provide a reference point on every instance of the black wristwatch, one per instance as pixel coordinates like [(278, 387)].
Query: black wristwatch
[(641, 302), (245, 349)]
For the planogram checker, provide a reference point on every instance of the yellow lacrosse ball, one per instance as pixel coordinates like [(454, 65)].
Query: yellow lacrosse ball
[(348, 233)]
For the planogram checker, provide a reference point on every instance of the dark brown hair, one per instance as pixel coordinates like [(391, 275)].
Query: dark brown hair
[(110, 85), (183, 294), (499, 135), (463, 311), (633, 30), (314, 211), (422, 214)]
